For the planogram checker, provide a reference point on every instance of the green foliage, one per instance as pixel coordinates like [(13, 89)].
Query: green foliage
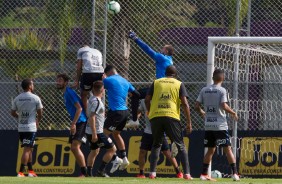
[(26, 41)]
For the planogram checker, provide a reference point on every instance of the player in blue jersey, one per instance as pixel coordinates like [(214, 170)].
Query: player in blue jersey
[(162, 60), (118, 89), (77, 114)]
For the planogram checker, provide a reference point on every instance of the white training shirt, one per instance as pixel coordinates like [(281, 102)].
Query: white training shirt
[(212, 96), (26, 104), (92, 61), (96, 105)]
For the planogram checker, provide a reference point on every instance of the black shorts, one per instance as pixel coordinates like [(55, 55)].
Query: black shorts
[(79, 134), (147, 143), (27, 139), (116, 120), (103, 142), (87, 80), (143, 92), (217, 138)]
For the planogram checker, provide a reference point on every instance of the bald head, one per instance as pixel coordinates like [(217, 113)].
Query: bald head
[(171, 71)]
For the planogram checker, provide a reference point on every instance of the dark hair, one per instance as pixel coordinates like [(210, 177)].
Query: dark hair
[(64, 76), (171, 71), (109, 68), (217, 74), (170, 50), (97, 86), (26, 83)]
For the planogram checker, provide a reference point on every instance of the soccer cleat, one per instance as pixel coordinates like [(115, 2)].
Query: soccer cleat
[(116, 164), (132, 124), (32, 174), (20, 174), (187, 177), (179, 175), (235, 177), (140, 176), (102, 174), (205, 177), (151, 176), (124, 164), (174, 150)]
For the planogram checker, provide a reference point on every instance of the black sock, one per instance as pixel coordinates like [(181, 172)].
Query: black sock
[(177, 170), (29, 165), (233, 168), (89, 171), (122, 154), (205, 169), (141, 172), (22, 168), (83, 171), (114, 157), (102, 167)]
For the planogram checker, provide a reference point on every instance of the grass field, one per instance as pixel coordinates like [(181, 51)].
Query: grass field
[(127, 180)]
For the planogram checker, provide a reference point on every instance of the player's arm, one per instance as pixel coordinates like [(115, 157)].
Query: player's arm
[(148, 98), (39, 116), (78, 71), (92, 124), (226, 107), (185, 105), (148, 50), (14, 113), (76, 117), (199, 109)]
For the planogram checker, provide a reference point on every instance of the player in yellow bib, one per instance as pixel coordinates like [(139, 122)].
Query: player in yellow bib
[(163, 104)]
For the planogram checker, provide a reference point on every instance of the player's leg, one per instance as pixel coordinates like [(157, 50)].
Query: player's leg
[(135, 97), (76, 140), (145, 146), (210, 143), (84, 97), (85, 86), (224, 141), (174, 132), (158, 136), (165, 150), (94, 151)]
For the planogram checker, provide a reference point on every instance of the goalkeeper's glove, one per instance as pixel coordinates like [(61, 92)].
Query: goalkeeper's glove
[(132, 35)]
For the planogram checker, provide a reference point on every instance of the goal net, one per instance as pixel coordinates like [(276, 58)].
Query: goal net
[(253, 79)]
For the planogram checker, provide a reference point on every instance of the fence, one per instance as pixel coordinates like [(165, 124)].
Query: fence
[(40, 39)]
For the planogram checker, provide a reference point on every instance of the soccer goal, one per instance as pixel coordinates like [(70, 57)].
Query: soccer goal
[(253, 79)]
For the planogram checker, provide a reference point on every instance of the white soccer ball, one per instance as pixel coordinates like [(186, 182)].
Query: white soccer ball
[(113, 7), (216, 174)]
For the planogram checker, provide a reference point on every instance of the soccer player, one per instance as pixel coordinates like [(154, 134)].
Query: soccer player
[(214, 99), (25, 107), (117, 89), (94, 131), (77, 114), (89, 69), (146, 145), (162, 60), (163, 105)]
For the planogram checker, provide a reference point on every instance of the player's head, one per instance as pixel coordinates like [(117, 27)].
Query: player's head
[(171, 71), (110, 70), (168, 50), (62, 81), (218, 75), (27, 85), (98, 88)]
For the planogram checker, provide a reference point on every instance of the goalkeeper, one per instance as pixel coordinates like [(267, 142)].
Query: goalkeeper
[(162, 60)]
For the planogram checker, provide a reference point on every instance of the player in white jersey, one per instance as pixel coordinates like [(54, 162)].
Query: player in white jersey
[(147, 143), (25, 107), (94, 131), (89, 69), (214, 99)]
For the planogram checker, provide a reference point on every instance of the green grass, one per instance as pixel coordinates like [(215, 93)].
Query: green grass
[(127, 180)]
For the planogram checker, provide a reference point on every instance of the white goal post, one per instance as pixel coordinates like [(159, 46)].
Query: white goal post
[(251, 63)]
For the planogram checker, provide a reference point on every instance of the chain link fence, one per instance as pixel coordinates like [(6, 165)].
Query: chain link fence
[(39, 39)]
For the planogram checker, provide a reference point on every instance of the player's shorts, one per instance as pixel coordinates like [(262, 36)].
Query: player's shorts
[(116, 120), (217, 138), (87, 80), (103, 142), (79, 134), (147, 143), (27, 139)]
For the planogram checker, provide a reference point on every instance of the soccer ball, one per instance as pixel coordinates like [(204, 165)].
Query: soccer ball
[(216, 174), (113, 7)]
